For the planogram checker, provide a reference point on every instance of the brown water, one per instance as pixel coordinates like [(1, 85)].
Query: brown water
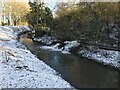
[(79, 72)]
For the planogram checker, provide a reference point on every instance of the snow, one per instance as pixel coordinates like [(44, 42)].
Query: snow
[(19, 68), (107, 57), (45, 39), (65, 49), (70, 44)]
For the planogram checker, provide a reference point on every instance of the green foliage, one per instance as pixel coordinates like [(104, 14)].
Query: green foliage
[(40, 18)]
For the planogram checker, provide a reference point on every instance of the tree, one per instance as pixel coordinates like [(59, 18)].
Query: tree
[(86, 21), (14, 12), (40, 18)]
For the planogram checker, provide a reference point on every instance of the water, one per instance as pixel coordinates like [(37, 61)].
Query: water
[(79, 72)]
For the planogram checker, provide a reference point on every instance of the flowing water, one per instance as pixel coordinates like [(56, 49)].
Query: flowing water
[(78, 71)]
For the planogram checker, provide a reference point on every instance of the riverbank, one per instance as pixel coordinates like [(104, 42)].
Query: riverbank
[(19, 68), (102, 56)]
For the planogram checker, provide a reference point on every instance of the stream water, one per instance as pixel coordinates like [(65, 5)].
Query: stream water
[(78, 71)]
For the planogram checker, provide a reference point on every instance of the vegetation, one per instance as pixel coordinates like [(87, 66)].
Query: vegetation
[(88, 22), (13, 12), (40, 18), (85, 20)]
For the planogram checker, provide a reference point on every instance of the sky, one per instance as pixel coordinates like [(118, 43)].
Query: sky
[(51, 3)]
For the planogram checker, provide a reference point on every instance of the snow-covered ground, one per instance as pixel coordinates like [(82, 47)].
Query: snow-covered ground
[(65, 49), (107, 57), (19, 68)]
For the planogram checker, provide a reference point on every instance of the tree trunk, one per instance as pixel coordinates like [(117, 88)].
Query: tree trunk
[(8, 22), (15, 22)]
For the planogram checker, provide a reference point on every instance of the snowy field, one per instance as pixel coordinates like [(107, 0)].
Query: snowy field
[(19, 68)]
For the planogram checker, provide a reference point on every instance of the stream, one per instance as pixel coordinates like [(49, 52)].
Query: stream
[(78, 71)]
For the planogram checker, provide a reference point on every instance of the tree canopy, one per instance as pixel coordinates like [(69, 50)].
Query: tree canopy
[(14, 12), (40, 18)]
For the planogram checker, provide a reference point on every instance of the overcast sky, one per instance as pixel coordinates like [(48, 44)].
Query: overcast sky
[(53, 2)]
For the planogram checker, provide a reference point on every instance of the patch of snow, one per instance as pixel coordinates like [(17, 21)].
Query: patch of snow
[(65, 49), (53, 47), (26, 27), (108, 57), (46, 40), (70, 44), (19, 68), (4, 37)]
